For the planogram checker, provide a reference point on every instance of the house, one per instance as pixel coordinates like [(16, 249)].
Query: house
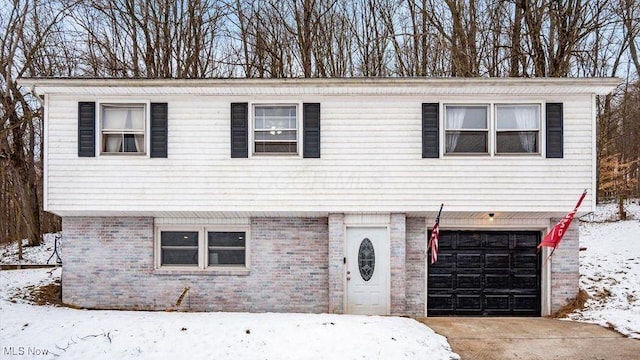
[(317, 195)]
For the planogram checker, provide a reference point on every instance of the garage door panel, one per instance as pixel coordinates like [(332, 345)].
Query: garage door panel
[(525, 281), (469, 281), (441, 281), (497, 281), (441, 303), (469, 260), (525, 303), (497, 241), (497, 302), (445, 260), (469, 240), (529, 261), (486, 273), (445, 241), (469, 303), (525, 240), (497, 261)]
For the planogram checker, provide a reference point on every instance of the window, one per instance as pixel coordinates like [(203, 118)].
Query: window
[(517, 128), (179, 248), (466, 129), (275, 129), (226, 248), (123, 128), (201, 247)]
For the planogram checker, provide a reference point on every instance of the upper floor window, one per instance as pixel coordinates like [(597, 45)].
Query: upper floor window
[(466, 129), (275, 129), (517, 128), (123, 128)]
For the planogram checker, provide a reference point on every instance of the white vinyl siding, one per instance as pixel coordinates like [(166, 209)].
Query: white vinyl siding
[(371, 162)]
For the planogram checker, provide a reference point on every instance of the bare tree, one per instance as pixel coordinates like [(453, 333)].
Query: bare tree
[(30, 31)]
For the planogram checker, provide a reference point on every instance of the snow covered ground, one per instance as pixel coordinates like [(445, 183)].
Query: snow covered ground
[(30, 255), (47, 332), (609, 211), (610, 269), (610, 274)]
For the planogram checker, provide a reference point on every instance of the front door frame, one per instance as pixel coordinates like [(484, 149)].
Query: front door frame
[(387, 227)]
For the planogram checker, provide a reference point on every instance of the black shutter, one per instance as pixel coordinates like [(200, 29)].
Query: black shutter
[(239, 130), (555, 142), (430, 130), (159, 125), (311, 129), (86, 129)]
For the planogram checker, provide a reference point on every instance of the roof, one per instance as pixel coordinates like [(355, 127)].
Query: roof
[(323, 86)]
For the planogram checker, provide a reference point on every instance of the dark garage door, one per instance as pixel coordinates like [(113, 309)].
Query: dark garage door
[(485, 273)]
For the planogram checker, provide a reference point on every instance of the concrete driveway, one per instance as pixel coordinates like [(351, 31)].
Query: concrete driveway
[(531, 338)]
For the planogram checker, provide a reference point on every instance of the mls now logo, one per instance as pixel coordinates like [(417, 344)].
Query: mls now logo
[(23, 350)]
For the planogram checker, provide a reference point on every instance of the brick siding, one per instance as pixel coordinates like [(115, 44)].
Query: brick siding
[(398, 264), (415, 266), (336, 263), (296, 265), (109, 264), (565, 268)]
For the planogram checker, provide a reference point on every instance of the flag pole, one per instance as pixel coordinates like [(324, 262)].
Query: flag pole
[(437, 221), (433, 236), (568, 218)]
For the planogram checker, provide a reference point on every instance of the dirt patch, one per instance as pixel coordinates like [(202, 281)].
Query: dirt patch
[(49, 294), (576, 304)]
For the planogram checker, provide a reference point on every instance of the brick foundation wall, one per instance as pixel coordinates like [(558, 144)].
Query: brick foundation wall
[(565, 268), (109, 264)]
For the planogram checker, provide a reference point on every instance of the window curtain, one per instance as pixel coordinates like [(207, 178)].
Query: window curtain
[(139, 143), (114, 142), (455, 120), (121, 118), (528, 120)]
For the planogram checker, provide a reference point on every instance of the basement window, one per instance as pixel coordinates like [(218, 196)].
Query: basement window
[(198, 247)]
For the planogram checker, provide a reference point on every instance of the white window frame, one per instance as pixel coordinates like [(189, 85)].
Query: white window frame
[(488, 129), (492, 123), (538, 130), (146, 104), (203, 243), (252, 107)]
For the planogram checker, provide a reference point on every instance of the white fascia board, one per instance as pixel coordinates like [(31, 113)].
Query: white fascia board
[(342, 86)]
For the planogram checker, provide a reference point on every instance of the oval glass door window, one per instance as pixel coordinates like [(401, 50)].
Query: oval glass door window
[(366, 259)]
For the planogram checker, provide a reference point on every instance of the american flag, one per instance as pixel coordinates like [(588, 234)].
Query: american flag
[(433, 240)]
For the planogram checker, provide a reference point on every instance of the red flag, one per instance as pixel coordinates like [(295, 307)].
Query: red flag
[(552, 239), (433, 241)]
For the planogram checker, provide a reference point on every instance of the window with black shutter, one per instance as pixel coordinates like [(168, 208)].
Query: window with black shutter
[(86, 129), (430, 130), (555, 141), (311, 128)]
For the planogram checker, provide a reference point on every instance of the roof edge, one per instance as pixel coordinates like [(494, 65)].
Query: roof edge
[(599, 86)]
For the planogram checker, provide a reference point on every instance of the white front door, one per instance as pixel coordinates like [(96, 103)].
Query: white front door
[(367, 270)]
